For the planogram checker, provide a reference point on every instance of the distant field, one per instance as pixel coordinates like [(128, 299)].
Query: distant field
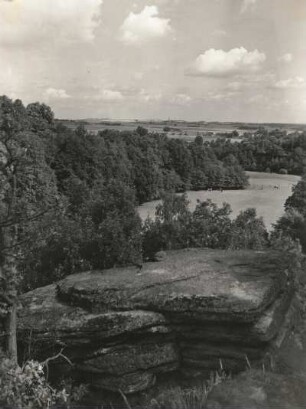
[(261, 194), (180, 129)]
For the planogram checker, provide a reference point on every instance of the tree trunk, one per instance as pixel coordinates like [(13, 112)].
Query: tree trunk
[(11, 329), (10, 276), (11, 319)]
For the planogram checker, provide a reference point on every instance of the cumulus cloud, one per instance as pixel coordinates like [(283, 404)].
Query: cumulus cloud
[(107, 95), (144, 26), (246, 5), (56, 93), (286, 58), (291, 83), (149, 96), (220, 95), (111, 95), (181, 99), (220, 63), (25, 22)]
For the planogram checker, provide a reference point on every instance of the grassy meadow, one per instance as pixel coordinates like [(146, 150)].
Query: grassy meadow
[(267, 192)]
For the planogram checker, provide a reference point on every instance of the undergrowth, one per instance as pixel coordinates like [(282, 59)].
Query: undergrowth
[(190, 398)]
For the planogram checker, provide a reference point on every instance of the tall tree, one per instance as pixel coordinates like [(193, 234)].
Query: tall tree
[(27, 192)]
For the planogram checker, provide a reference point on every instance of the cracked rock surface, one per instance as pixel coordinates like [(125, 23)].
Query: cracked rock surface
[(123, 327)]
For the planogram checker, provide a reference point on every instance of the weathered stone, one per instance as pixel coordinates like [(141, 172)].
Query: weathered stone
[(127, 358), (259, 332), (47, 317), (121, 345), (207, 285), (258, 390), (193, 311), (128, 384)]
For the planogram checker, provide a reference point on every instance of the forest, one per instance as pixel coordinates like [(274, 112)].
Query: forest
[(68, 198), (263, 151)]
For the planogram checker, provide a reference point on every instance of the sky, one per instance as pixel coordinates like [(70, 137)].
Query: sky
[(210, 60)]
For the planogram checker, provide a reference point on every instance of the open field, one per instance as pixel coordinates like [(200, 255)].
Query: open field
[(267, 192), (180, 129)]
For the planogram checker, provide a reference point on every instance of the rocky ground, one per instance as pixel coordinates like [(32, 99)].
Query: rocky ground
[(128, 329)]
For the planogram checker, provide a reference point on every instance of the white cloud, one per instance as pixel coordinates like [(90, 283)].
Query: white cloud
[(150, 96), (246, 5), (221, 63), (291, 83), (111, 95), (29, 22), (107, 95), (144, 26), (286, 58), (181, 99), (55, 93), (220, 95)]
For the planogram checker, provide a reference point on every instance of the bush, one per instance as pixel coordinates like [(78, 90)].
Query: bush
[(176, 227), (283, 171), (26, 387)]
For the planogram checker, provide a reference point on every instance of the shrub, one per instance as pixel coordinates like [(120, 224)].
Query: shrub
[(26, 387)]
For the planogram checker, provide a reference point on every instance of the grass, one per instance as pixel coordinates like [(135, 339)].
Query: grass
[(261, 194), (183, 398)]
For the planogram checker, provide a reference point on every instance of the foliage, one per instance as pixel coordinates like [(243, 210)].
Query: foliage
[(210, 226), (248, 231), (26, 387), (263, 151), (297, 200), (293, 223), (169, 230), (175, 227)]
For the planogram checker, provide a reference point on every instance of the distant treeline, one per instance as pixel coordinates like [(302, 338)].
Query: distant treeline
[(147, 163), (264, 151)]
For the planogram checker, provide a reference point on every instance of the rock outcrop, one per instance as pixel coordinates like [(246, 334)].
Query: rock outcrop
[(257, 390), (190, 311)]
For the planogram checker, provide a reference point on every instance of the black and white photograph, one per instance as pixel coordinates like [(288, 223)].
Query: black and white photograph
[(152, 204)]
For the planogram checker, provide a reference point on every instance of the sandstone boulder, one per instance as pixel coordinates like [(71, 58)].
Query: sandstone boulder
[(207, 285), (191, 312)]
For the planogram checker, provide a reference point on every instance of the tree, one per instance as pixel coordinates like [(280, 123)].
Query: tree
[(169, 230), (248, 231), (140, 130), (297, 200), (210, 225), (28, 191), (292, 224)]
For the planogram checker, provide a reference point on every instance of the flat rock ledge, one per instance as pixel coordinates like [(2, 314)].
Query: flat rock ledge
[(185, 314)]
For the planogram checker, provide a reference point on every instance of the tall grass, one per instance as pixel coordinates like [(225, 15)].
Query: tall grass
[(192, 398)]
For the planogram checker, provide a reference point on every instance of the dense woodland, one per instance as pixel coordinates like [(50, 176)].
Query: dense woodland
[(274, 151), (68, 200)]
